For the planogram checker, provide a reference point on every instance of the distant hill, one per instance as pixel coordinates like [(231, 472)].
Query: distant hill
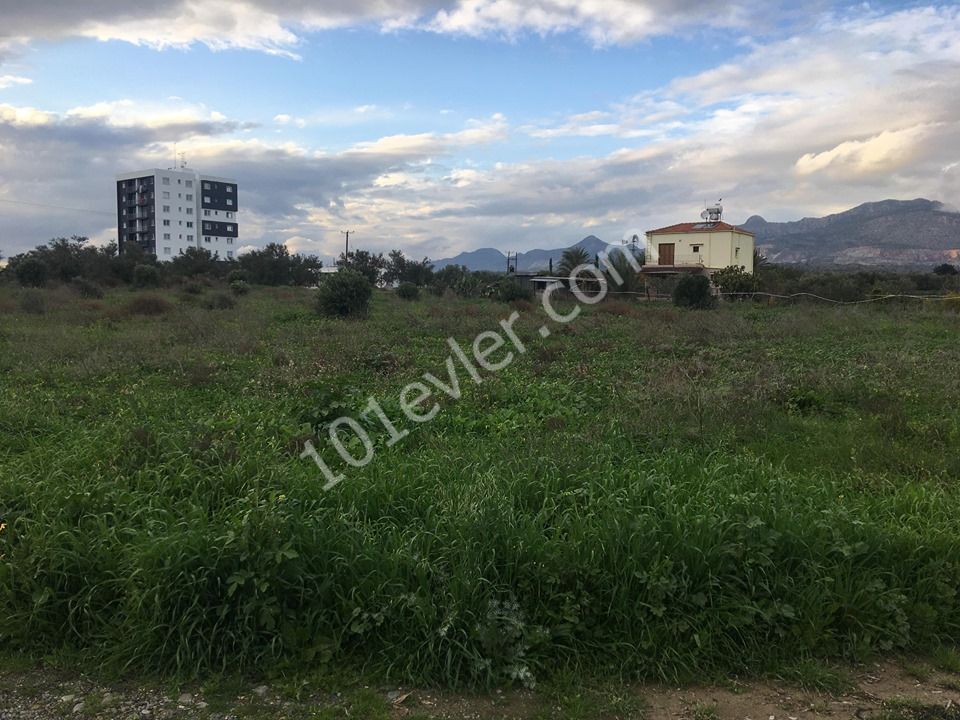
[(888, 233), (531, 261)]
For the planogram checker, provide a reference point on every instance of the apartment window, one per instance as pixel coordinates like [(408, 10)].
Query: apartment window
[(229, 241), (206, 213), (189, 183), (230, 202), (206, 198), (166, 194), (166, 208), (166, 251), (166, 223), (165, 181), (206, 186), (229, 215), (189, 238), (189, 211), (189, 197), (207, 239), (179, 181), (229, 228), (123, 225), (229, 188), (189, 223), (166, 236), (229, 253)]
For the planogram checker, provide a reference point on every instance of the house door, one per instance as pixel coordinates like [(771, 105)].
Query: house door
[(666, 254)]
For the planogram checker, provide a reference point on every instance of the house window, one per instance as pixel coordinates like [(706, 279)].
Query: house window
[(229, 253), (697, 248), (166, 251), (736, 252)]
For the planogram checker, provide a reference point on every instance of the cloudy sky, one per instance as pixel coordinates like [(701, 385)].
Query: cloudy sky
[(443, 125)]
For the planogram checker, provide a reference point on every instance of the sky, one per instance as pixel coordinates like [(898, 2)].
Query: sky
[(438, 126)]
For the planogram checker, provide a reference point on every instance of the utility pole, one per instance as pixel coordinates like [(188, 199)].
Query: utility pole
[(346, 252)]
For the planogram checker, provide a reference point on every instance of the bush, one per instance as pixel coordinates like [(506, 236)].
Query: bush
[(219, 301), (32, 272), (33, 302), (408, 291), (509, 290), (87, 289), (239, 287), (194, 288), (344, 293), (736, 280), (693, 291), (238, 276), (148, 305), (146, 276)]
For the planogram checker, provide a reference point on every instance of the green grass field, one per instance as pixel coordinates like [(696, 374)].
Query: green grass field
[(647, 493)]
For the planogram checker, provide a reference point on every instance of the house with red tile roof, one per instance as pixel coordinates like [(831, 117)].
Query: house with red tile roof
[(704, 247)]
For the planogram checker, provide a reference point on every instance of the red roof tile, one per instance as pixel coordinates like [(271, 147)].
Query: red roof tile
[(699, 227)]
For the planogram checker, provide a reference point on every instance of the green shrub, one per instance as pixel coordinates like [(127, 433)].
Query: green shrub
[(32, 272), (146, 276), (219, 301), (238, 276), (509, 290), (343, 294), (239, 287), (735, 279), (408, 291), (693, 291), (194, 288), (33, 302), (87, 289), (148, 305)]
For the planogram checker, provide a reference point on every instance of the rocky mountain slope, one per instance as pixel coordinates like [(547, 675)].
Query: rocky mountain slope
[(887, 233)]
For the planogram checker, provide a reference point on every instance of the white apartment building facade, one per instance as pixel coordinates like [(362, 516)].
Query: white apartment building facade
[(167, 211)]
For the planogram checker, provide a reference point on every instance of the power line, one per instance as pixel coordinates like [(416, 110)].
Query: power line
[(57, 207)]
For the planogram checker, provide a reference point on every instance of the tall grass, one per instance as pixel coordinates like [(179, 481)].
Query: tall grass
[(594, 508)]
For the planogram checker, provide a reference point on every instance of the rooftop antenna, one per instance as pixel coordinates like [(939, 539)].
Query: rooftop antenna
[(713, 213)]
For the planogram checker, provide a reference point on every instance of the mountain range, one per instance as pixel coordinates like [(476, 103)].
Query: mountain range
[(530, 261), (889, 233), (903, 233)]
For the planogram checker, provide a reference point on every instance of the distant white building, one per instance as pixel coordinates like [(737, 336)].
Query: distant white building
[(167, 211), (704, 246)]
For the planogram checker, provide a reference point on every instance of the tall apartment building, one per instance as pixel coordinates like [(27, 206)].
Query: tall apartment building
[(167, 211)]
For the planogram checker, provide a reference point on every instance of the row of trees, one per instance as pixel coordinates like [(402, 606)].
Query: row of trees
[(66, 259)]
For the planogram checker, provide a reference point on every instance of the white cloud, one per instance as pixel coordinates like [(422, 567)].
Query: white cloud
[(277, 26), (7, 81)]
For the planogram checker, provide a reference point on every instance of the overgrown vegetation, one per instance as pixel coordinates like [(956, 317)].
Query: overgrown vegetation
[(343, 294), (653, 493)]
